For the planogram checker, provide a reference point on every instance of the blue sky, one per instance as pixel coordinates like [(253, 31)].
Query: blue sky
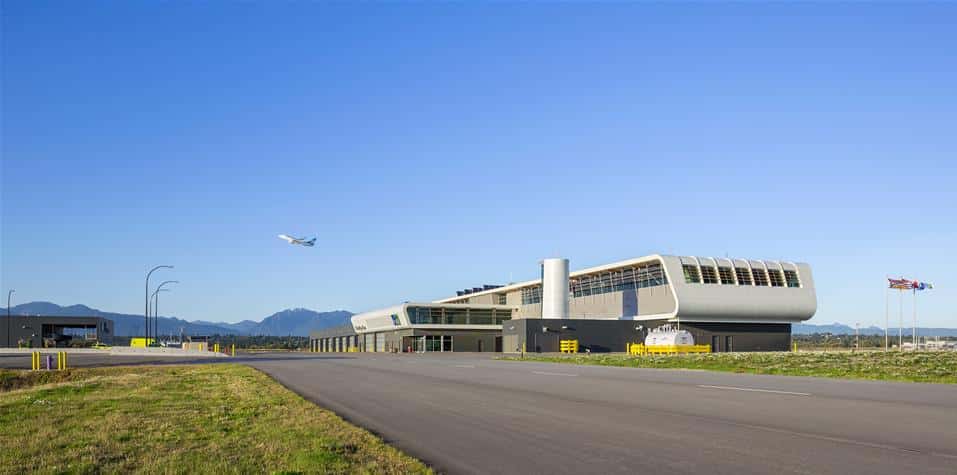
[(436, 147)]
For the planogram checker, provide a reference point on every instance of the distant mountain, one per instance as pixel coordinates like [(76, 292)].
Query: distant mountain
[(298, 322), (243, 327), (841, 329)]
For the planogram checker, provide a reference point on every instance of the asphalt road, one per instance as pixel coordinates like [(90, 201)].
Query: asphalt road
[(22, 360), (472, 414), (466, 413)]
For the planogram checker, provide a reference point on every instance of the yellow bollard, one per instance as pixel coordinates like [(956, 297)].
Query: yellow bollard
[(233, 349), (35, 360)]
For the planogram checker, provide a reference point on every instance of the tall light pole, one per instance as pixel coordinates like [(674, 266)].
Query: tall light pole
[(146, 311), (8, 316), (155, 309), (156, 305)]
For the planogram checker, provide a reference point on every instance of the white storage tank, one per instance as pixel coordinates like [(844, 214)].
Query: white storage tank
[(667, 335), (555, 288)]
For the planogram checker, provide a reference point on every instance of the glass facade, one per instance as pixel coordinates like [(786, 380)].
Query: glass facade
[(457, 316), (709, 275), (791, 278), (692, 276), (727, 275), (532, 295), (744, 275), (433, 343), (628, 278), (776, 277), (741, 276)]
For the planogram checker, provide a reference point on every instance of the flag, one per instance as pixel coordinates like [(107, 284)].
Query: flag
[(902, 283), (922, 285)]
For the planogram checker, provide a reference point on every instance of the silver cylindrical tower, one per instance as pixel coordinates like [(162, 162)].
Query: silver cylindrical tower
[(555, 288)]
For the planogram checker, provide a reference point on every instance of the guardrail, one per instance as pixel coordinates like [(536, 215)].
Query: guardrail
[(568, 346), (636, 349)]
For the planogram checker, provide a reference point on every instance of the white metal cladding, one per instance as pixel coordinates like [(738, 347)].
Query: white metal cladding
[(397, 317), (555, 288), (745, 301), (379, 343)]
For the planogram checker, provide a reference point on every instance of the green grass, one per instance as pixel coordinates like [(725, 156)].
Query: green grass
[(922, 367), (219, 418)]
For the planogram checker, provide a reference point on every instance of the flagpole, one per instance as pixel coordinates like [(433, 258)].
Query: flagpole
[(916, 341), (900, 323), (887, 300)]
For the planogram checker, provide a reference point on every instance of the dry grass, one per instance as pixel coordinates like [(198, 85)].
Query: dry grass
[(219, 418), (921, 367)]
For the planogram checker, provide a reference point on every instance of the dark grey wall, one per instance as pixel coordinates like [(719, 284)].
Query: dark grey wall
[(29, 328), (744, 336), (601, 336)]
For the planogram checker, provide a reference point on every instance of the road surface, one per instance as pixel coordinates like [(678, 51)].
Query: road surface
[(468, 413), (472, 414)]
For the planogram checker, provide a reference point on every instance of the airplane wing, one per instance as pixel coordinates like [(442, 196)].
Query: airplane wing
[(287, 238)]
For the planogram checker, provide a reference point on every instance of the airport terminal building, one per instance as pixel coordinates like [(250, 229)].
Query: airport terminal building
[(731, 304)]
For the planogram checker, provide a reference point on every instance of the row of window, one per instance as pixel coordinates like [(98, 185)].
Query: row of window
[(630, 278), (740, 276), (531, 294), (500, 299), (457, 316)]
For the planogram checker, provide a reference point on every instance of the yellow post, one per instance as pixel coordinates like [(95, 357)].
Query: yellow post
[(234, 349), (35, 360), (795, 347)]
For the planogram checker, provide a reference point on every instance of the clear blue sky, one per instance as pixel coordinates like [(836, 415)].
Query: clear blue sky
[(435, 147)]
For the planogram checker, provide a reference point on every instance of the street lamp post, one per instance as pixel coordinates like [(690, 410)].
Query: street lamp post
[(156, 306), (146, 311), (155, 310), (8, 316)]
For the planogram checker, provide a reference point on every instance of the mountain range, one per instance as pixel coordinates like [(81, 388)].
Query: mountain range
[(841, 329), (295, 321), (300, 321)]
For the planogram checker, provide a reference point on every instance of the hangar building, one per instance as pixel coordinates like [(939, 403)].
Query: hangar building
[(731, 304), (53, 331)]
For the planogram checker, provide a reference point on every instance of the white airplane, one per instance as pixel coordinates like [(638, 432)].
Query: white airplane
[(299, 241)]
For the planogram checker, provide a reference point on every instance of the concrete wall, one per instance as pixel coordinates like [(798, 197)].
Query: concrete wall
[(613, 305)]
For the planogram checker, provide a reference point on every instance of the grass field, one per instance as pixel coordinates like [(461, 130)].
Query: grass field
[(219, 418), (923, 367)]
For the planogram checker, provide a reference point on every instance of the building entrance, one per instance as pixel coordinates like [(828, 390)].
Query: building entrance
[(432, 343)]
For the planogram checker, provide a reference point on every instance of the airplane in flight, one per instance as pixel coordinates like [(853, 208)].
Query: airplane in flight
[(299, 241)]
